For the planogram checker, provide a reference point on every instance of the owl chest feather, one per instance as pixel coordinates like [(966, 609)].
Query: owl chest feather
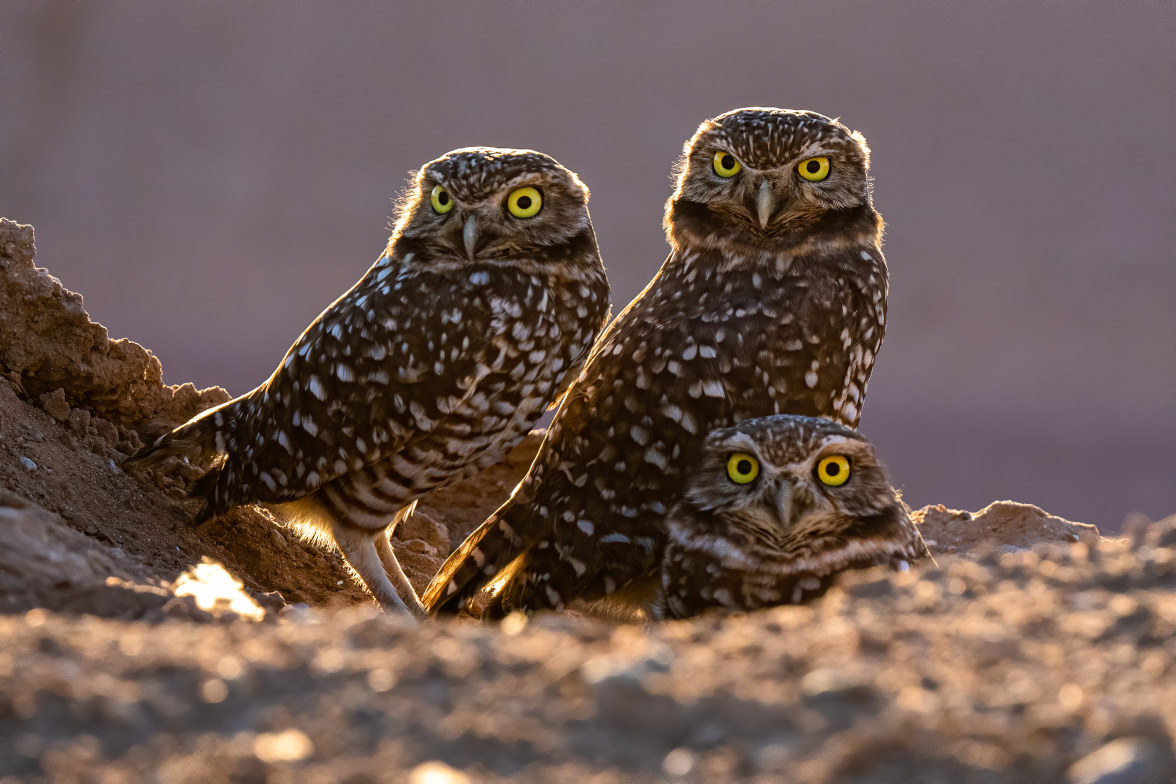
[(536, 332)]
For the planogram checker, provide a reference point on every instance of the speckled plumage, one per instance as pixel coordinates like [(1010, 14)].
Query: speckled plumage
[(773, 300), (434, 365), (782, 537)]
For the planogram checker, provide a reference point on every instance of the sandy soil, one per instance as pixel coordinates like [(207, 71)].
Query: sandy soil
[(136, 646)]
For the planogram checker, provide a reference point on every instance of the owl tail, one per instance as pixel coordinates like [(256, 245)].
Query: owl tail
[(482, 556), (202, 443)]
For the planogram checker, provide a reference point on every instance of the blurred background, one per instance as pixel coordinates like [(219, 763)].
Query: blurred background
[(211, 175)]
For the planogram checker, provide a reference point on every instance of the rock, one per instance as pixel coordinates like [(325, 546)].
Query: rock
[(1002, 524), (437, 773), (55, 405), (27, 464), (1125, 761), (44, 551), (425, 527), (106, 431), (79, 421)]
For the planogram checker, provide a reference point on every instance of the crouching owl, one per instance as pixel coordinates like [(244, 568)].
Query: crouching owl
[(434, 365), (774, 509)]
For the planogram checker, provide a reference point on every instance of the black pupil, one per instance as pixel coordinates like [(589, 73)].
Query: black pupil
[(727, 162), (832, 469), (443, 198), (524, 202), (813, 167), (743, 467)]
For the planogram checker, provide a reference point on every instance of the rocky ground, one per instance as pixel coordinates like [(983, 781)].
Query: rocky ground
[(136, 646)]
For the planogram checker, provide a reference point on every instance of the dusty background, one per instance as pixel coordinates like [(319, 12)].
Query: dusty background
[(137, 647), (222, 155)]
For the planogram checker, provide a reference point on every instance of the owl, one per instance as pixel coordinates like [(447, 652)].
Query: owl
[(483, 306), (772, 301), (773, 509)]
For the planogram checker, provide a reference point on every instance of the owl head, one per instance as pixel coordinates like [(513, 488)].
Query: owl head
[(777, 506), (756, 174), (486, 203)]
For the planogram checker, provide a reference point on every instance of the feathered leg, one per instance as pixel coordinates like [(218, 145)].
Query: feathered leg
[(399, 580), (361, 549)]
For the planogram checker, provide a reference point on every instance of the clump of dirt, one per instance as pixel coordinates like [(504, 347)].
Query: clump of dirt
[(1030, 649), (54, 353), (1003, 524)]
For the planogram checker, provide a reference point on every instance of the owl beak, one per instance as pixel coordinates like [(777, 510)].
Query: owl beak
[(784, 504), (764, 203), (469, 236)]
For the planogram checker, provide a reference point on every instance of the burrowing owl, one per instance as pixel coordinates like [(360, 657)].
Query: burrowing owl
[(434, 365), (773, 300), (773, 509)]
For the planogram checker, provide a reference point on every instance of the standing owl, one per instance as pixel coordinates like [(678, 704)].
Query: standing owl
[(773, 509), (772, 300), (434, 365)]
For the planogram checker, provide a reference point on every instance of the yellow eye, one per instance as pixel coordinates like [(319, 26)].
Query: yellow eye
[(524, 202), (833, 470), (814, 169), (442, 201), (726, 165), (742, 468)]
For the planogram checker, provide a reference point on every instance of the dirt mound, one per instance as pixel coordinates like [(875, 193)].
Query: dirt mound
[(74, 404), (1031, 650), (1049, 664)]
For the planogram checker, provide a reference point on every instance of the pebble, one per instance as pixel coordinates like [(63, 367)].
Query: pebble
[(678, 763), (1125, 761), (29, 465), (435, 772), (420, 546)]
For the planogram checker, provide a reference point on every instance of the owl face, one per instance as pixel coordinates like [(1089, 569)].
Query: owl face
[(766, 172), (485, 203), (777, 507), (788, 486)]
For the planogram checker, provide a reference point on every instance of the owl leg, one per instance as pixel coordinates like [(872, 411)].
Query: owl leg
[(400, 581), (361, 549)]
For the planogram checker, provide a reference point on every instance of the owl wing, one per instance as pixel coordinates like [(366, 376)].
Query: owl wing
[(396, 357)]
